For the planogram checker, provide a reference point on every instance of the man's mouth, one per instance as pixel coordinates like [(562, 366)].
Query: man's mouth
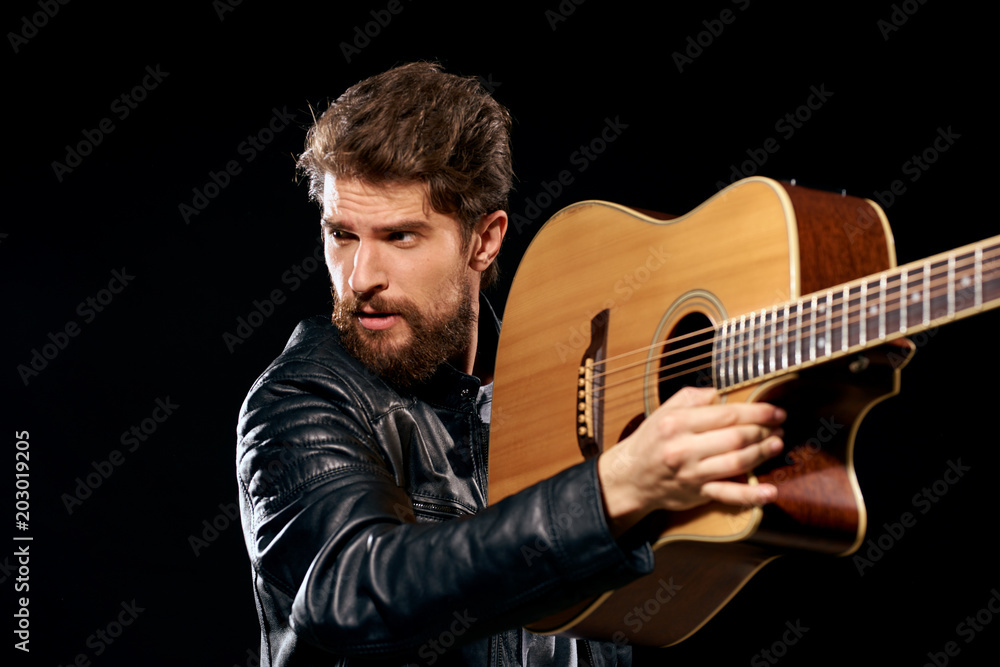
[(377, 321)]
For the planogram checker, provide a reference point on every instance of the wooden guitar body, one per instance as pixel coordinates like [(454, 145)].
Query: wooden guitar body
[(611, 311)]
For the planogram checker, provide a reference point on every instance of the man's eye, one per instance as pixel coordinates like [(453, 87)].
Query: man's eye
[(337, 234)]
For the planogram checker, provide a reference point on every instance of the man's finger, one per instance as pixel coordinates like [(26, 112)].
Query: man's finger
[(739, 461), (703, 418), (742, 495), (689, 397)]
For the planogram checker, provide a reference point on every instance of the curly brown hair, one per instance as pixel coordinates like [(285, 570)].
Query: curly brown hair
[(418, 123)]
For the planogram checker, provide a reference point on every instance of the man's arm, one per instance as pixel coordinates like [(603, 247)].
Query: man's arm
[(333, 537)]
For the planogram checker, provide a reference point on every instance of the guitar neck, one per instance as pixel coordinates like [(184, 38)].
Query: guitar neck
[(848, 318)]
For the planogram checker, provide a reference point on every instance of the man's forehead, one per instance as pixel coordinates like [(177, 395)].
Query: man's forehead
[(343, 195)]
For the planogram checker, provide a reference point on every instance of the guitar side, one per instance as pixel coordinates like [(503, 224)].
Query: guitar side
[(601, 271)]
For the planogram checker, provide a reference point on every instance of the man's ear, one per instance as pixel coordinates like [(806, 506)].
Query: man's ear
[(487, 239)]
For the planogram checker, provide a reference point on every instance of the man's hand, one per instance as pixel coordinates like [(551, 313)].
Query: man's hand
[(684, 454)]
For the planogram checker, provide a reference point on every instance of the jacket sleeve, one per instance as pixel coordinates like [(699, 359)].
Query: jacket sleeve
[(326, 522)]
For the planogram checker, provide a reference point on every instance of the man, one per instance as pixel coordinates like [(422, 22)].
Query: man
[(362, 448)]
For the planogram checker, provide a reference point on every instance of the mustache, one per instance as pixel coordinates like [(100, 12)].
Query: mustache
[(352, 305)]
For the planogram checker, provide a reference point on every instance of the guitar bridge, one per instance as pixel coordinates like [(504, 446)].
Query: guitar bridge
[(590, 389)]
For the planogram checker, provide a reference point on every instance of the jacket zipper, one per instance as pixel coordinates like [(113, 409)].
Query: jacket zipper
[(443, 511)]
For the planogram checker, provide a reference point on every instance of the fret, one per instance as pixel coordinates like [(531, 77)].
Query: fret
[(812, 330), (951, 286), (723, 351), (784, 338), (978, 278), (732, 356), (717, 357), (731, 347), (881, 307), (834, 338), (927, 293), (942, 302), (965, 279), (798, 333), (731, 352), (774, 338), (760, 345), (739, 366), (989, 279), (845, 313), (902, 301), (828, 338), (863, 315), (914, 298)]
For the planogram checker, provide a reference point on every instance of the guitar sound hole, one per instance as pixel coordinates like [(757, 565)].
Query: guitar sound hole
[(686, 357)]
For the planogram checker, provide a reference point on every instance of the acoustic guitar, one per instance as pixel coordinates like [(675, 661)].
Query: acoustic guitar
[(767, 292)]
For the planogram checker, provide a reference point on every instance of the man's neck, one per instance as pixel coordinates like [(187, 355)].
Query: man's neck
[(478, 360), (469, 361)]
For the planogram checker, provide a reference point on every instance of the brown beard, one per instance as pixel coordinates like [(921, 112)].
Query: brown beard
[(433, 340)]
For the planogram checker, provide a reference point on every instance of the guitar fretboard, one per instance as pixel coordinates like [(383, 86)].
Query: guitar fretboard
[(857, 315)]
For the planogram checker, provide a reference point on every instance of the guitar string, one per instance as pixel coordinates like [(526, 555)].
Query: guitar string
[(792, 342), (803, 307), (793, 337), (751, 371)]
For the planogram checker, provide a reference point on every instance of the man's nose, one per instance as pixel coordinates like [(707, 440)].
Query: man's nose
[(368, 273)]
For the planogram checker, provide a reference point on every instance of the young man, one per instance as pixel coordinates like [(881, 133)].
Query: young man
[(362, 448)]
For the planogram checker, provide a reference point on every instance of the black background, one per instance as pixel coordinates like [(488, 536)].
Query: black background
[(895, 74)]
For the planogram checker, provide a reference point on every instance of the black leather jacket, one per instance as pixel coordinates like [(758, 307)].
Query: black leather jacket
[(364, 513)]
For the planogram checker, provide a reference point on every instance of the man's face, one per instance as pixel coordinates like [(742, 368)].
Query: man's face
[(404, 294)]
